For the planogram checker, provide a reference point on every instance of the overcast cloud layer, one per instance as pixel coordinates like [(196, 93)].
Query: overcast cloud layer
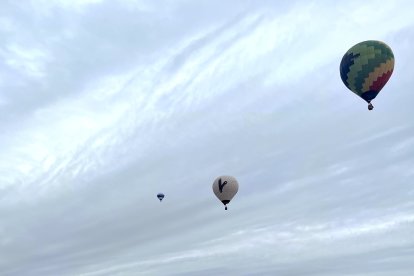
[(103, 104)]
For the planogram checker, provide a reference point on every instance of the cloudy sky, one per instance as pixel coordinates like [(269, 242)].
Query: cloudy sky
[(103, 104)]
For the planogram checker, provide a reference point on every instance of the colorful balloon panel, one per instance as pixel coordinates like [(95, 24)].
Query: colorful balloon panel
[(366, 68)]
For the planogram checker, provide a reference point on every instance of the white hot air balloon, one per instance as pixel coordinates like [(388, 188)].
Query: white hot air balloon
[(225, 188)]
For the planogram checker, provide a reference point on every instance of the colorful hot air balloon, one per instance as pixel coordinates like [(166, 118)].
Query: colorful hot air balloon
[(225, 188), (366, 68), (160, 196)]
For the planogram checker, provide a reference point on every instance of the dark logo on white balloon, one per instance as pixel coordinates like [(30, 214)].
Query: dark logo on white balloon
[(221, 186)]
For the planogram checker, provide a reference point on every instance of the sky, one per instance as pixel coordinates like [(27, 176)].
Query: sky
[(104, 104)]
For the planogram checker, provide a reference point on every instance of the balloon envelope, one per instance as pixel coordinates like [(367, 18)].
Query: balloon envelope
[(225, 188), (160, 196), (366, 68)]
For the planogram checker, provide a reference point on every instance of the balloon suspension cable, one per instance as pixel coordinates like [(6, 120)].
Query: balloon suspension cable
[(370, 106)]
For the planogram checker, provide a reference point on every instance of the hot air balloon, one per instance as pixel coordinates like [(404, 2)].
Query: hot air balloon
[(160, 196), (225, 188), (366, 68)]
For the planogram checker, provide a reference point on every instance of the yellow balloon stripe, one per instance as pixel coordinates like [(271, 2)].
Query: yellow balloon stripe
[(378, 72)]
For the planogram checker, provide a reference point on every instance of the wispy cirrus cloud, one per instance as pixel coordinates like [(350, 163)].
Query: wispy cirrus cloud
[(106, 104)]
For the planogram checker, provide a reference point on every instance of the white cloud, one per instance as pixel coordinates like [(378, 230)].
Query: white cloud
[(247, 89), (72, 6), (29, 61)]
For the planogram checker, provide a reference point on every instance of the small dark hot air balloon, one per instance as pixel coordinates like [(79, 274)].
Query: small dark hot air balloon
[(160, 196), (366, 68)]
